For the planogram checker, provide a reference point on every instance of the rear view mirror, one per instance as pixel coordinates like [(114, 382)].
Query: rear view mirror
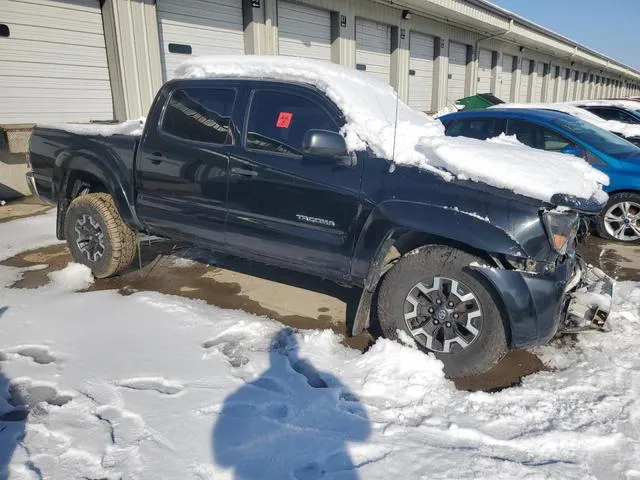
[(573, 150), (323, 143)]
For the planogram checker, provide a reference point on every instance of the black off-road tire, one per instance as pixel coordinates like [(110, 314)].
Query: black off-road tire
[(118, 241), (424, 264), (616, 198)]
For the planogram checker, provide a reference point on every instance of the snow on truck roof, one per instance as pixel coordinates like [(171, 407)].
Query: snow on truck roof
[(369, 107)]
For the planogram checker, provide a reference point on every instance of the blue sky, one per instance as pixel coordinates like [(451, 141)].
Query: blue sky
[(611, 27)]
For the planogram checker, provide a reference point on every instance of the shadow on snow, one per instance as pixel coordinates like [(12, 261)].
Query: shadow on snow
[(292, 421)]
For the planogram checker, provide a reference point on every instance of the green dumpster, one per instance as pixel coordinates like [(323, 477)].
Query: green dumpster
[(479, 101)]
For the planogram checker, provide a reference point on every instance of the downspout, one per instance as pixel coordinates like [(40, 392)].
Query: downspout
[(495, 35)]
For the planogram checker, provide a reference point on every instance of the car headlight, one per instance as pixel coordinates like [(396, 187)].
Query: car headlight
[(561, 228)]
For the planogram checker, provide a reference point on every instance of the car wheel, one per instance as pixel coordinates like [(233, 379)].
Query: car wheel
[(446, 308), (96, 235), (620, 219)]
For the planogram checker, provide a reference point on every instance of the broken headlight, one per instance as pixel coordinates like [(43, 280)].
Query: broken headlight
[(561, 228)]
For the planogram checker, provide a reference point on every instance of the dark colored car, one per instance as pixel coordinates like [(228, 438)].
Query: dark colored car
[(259, 169), (619, 114), (560, 132), (615, 112)]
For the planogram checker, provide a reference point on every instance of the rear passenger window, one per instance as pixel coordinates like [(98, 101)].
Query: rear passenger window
[(526, 132), (479, 128), (278, 122), (200, 115)]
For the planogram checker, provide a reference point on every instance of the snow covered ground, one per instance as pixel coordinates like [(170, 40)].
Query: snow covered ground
[(151, 386)]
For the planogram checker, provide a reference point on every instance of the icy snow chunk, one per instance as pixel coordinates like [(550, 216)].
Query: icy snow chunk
[(129, 127), (73, 277), (412, 137)]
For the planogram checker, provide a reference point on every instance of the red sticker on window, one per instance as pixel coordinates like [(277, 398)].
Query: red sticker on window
[(284, 119)]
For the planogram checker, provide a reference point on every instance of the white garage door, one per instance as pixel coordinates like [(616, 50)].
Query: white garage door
[(373, 48), (198, 27), (304, 31), (457, 71), (506, 78), (537, 87), (53, 64), (421, 49), (485, 58), (525, 80)]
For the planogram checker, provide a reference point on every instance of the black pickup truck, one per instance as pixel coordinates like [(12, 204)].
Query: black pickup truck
[(258, 168)]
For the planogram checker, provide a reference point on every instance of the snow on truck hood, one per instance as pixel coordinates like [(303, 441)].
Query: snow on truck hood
[(369, 106)]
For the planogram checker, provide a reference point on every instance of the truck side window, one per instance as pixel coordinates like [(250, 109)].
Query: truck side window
[(279, 121), (200, 115)]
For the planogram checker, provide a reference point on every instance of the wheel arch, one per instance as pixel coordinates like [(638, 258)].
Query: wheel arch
[(385, 239), (78, 172)]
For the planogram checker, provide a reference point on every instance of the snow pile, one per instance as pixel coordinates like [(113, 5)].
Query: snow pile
[(624, 129), (129, 127), (73, 277), (157, 386), (369, 106), (447, 109)]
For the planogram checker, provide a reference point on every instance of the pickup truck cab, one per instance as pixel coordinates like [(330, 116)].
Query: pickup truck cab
[(263, 165)]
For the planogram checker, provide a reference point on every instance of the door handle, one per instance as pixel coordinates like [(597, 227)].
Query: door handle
[(244, 172), (157, 158)]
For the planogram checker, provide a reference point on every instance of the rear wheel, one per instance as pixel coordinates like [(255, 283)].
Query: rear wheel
[(96, 235), (620, 219), (432, 295)]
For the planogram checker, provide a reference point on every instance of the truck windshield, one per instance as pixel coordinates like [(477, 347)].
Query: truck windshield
[(603, 140)]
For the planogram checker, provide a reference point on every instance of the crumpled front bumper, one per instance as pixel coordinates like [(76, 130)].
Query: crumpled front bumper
[(589, 301), (537, 305)]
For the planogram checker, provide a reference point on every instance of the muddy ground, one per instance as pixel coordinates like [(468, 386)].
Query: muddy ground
[(295, 299)]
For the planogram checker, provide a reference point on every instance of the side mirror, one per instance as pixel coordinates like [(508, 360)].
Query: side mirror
[(573, 150), (323, 143)]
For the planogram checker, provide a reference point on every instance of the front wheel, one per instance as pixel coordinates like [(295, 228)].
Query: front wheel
[(96, 235), (620, 219), (431, 295)]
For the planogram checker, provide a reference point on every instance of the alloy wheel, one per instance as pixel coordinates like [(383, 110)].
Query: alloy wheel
[(443, 315), (622, 221), (89, 237)]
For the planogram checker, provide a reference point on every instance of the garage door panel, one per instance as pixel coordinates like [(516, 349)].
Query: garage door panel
[(457, 71), (54, 65), (44, 35), (537, 87), (506, 78), (525, 79), (373, 48), (21, 14), (29, 51), (421, 53), (485, 61), (304, 31), (212, 27), (82, 6)]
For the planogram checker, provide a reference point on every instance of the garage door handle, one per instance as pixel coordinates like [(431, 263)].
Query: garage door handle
[(244, 172)]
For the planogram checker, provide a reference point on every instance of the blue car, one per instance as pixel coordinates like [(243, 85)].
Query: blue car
[(560, 132)]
